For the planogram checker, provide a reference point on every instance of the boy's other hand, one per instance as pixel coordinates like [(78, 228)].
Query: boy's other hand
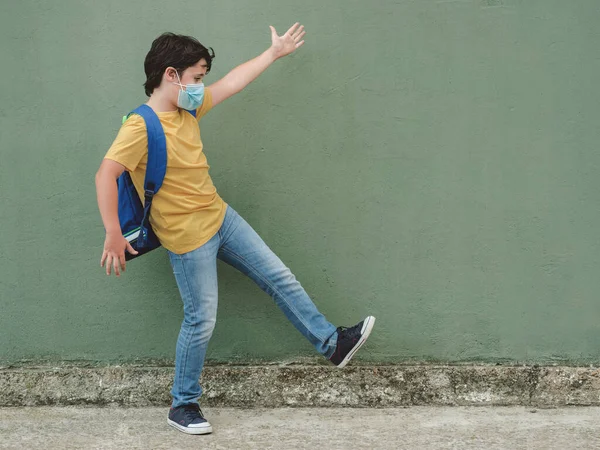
[(114, 253), (289, 42)]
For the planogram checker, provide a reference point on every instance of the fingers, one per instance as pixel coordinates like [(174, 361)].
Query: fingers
[(116, 264), (299, 44), (297, 34), (116, 260), (273, 31), (292, 30), (131, 250)]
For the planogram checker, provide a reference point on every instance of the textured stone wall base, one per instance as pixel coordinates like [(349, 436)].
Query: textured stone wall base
[(306, 385)]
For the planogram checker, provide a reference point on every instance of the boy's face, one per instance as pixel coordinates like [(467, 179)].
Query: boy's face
[(192, 75)]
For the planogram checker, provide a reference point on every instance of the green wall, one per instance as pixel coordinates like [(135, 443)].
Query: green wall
[(434, 163)]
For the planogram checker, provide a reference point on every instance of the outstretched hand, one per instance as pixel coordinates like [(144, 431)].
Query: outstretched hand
[(289, 42)]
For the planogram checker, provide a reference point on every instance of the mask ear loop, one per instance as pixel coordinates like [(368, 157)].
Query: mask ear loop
[(179, 79)]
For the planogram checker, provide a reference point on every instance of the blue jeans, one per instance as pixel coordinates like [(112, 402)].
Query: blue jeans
[(237, 244)]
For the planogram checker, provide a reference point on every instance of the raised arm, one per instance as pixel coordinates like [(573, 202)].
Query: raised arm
[(246, 73)]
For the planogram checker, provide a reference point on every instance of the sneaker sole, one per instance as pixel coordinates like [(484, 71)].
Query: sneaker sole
[(366, 331), (190, 430)]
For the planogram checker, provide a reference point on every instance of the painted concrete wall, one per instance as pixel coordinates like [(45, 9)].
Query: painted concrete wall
[(434, 163)]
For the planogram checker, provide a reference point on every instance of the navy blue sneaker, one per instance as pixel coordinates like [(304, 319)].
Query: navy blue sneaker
[(189, 419), (350, 340)]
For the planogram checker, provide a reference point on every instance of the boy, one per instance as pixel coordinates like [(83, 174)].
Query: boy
[(192, 221)]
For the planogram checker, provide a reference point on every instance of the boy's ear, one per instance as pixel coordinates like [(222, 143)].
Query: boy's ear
[(170, 74)]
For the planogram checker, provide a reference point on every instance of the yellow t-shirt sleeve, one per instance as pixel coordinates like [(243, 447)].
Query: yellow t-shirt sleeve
[(206, 104), (131, 143)]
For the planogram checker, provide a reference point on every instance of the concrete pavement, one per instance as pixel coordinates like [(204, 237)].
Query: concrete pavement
[(305, 428)]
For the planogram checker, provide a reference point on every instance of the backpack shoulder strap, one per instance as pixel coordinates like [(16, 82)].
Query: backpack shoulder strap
[(157, 149)]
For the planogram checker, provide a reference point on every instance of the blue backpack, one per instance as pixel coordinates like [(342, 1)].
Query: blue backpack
[(134, 217)]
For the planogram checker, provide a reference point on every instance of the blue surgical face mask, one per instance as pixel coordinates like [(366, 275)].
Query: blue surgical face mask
[(191, 97)]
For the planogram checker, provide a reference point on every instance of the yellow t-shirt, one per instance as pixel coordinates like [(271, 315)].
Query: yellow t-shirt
[(186, 211)]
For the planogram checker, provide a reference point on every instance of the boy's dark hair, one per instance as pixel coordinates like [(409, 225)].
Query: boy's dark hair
[(173, 50)]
